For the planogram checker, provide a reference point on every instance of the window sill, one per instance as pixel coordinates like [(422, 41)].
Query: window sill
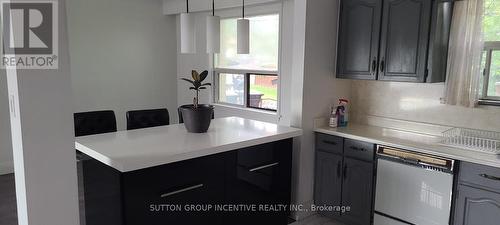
[(267, 112), (489, 102)]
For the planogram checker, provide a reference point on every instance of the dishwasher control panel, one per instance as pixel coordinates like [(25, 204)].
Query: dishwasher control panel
[(417, 159)]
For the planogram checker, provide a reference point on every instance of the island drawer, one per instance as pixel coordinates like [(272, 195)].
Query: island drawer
[(359, 149), (259, 175), (329, 143), (266, 168), (480, 176), (179, 185)]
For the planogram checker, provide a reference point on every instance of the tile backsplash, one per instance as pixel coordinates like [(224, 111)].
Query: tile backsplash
[(417, 103)]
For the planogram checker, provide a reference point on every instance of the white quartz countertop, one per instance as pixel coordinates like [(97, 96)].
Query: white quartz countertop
[(138, 149), (412, 141)]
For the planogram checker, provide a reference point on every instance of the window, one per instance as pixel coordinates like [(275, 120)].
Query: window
[(249, 80), (490, 85), (232, 88)]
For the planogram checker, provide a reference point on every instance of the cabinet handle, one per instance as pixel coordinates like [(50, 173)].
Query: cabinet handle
[(264, 167), (358, 149), (330, 142), (345, 171), (382, 65), (374, 64), (490, 177), (339, 167), (181, 190)]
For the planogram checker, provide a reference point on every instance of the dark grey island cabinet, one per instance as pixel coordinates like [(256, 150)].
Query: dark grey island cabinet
[(345, 178), (188, 192), (393, 40), (478, 198)]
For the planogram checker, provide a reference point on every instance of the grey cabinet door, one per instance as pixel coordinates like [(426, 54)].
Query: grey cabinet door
[(404, 40), (359, 39), (475, 206), (328, 185), (357, 191)]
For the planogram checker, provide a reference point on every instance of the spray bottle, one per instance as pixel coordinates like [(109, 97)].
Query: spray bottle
[(342, 114)]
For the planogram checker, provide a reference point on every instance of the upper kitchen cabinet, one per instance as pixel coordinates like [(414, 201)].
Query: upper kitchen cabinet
[(404, 40), (359, 39), (394, 40)]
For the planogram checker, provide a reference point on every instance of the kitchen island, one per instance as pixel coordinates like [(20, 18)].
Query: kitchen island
[(164, 175)]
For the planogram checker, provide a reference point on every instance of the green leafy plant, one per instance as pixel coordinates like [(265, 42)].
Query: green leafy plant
[(198, 84)]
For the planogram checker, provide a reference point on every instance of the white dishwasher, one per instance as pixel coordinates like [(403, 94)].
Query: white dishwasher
[(412, 188)]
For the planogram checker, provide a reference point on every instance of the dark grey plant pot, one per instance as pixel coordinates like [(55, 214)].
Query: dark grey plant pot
[(197, 120)]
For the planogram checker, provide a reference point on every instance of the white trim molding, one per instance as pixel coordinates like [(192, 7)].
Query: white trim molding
[(173, 7)]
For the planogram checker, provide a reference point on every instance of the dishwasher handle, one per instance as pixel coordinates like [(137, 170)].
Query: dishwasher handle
[(421, 160)]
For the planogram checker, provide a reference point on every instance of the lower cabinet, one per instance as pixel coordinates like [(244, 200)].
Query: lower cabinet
[(345, 179), (102, 193), (328, 184), (478, 198), (475, 206), (189, 191), (357, 191)]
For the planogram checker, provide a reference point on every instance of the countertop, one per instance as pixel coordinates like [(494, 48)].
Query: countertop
[(412, 141), (138, 149)]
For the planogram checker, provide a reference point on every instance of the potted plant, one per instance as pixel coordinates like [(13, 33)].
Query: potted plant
[(197, 117)]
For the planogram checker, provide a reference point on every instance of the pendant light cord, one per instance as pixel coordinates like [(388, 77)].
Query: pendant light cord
[(243, 10), (187, 6), (213, 7)]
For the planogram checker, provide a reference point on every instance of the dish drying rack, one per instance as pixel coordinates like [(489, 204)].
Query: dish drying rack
[(475, 140)]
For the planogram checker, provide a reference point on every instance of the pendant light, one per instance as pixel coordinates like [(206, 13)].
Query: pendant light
[(243, 40), (188, 31), (213, 31)]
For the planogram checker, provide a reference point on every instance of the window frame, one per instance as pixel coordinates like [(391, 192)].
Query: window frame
[(253, 11), (246, 74), (247, 87), (485, 99)]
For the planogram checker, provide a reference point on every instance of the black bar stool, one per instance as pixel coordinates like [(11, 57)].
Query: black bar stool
[(96, 122), (147, 118)]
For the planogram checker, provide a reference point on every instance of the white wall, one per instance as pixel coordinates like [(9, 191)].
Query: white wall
[(123, 56), (320, 87), (298, 32), (43, 139), (6, 165)]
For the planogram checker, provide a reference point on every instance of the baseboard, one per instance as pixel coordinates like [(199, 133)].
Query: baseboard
[(6, 168)]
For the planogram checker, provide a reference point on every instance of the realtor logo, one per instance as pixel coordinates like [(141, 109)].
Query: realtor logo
[(29, 34)]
